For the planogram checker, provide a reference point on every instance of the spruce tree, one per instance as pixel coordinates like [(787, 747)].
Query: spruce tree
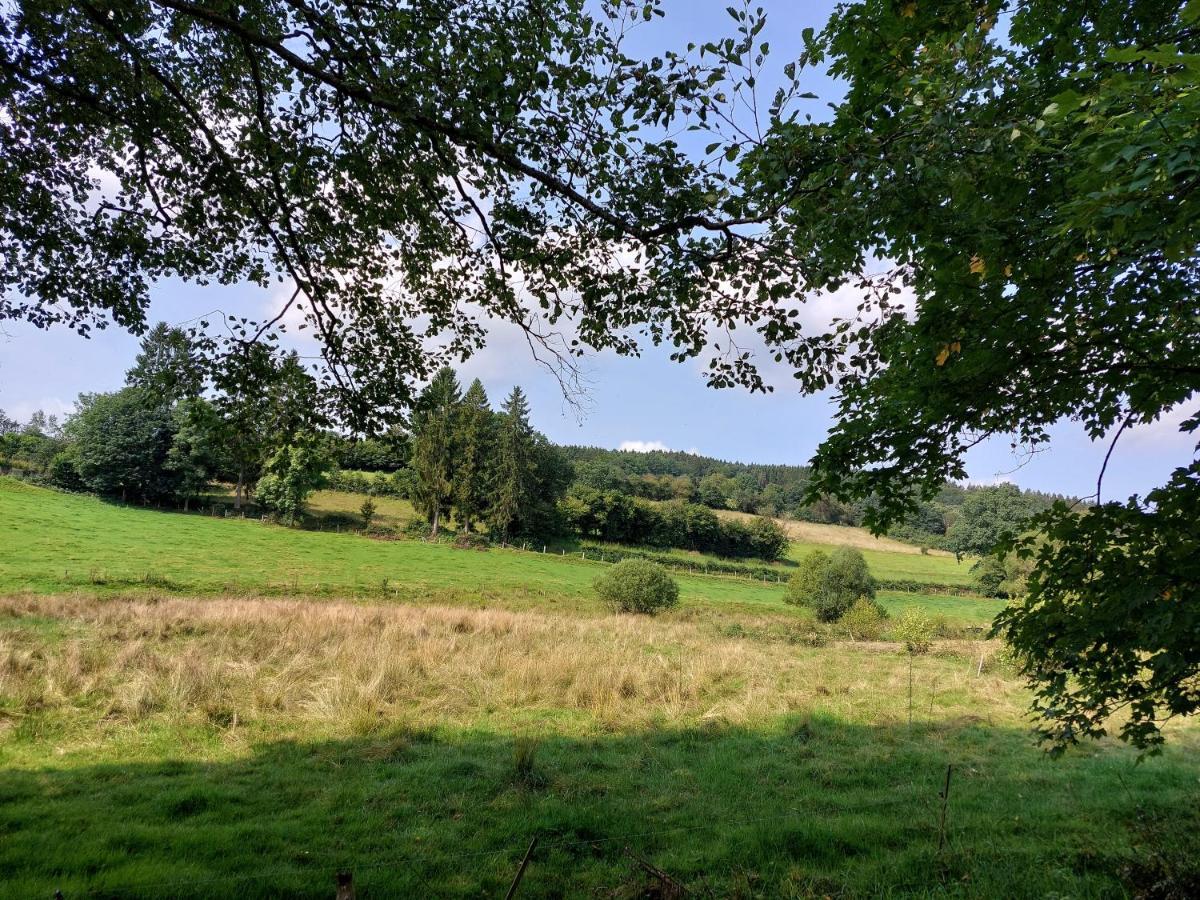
[(476, 457), (168, 365), (515, 467), (433, 445)]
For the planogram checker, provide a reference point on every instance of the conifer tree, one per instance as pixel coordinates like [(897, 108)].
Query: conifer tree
[(168, 365), (433, 445), (515, 466), (476, 457)]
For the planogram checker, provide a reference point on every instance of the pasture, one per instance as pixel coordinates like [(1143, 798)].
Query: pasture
[(57, 542), (201, 748), (200, 707)]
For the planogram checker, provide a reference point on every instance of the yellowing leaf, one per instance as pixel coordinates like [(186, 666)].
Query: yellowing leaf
[(1008, 271), (978, 267), (908, 10), (956, 347), (943, 355)]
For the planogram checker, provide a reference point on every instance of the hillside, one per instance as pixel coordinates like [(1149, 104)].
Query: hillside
[(56, 541), (205, 707), (824, 534)]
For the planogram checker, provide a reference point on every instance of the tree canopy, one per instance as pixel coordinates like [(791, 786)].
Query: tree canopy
[(406, 170), (1028, 173)]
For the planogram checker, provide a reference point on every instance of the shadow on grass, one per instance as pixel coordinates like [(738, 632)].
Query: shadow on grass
[(811, 808)]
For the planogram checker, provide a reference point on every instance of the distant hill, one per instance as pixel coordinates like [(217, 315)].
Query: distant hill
[(760, 488)]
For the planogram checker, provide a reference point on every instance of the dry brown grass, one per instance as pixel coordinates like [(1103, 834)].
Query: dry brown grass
[(353, 667)]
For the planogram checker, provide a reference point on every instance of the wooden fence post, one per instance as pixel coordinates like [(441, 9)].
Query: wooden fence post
[(945, 795), (345, 886), (516, 882)]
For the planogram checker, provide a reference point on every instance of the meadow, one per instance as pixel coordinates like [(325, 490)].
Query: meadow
[(199, 707), (56, 542)]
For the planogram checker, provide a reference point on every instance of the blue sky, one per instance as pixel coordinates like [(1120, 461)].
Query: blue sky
[(648, 401)]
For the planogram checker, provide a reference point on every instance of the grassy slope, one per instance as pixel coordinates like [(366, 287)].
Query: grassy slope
[(56, 541), (153, 746), (171, 747)]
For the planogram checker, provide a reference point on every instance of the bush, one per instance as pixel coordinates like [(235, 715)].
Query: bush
[(987, 576), (292, 473), (915, 630), (63, 473), (367, 511), (418, 528), (831, 583), (864, 620), (637, 585)]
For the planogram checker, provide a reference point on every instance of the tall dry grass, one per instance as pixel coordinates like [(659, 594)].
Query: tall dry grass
[(356, 667)]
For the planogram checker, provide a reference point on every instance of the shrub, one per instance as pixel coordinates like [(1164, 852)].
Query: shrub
[(292, 473), (637, 585), (915, 630), (367, 511), (467, 541), (418, 528), (863, 621), (63, 473), (987, 576), (831, 583)]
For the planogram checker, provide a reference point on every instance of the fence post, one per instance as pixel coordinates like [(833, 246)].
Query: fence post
[(945, 795), (516, 882), (345, 886)]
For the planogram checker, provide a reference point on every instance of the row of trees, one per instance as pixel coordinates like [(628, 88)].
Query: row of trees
[(613, 516), (964, 520), (178, 425), (481, 466)]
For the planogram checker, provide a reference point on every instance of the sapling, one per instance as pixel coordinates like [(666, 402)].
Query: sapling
[(916, 631)]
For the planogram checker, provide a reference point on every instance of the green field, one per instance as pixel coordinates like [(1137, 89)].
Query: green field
[(929, 569), (196, 707), (55, 542)]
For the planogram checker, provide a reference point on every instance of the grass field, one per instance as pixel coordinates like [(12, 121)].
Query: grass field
[(56, 542), (201, 708), (252, 748)]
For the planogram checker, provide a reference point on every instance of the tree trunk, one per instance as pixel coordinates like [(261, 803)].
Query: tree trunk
[(241, 482), (436, 511)]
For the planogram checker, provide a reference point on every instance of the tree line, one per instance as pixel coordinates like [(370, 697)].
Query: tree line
[(178, 425), (967, 520), (481, 466)]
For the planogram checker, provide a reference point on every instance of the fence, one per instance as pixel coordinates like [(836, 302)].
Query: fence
[(523, 857)]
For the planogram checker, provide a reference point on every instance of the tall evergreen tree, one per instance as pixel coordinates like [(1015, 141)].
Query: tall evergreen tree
[(167, 364), (433, 445), (515, 467), (475, 458)]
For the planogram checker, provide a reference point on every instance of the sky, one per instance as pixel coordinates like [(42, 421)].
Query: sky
[(644, 403)]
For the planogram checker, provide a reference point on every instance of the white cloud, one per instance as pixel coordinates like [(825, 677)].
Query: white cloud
[(51, 406), (643, 446), (1164, 433)]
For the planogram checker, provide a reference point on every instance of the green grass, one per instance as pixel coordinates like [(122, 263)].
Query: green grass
[(212, 746), (189, 753), (930, 569), (974, 611), (55, 542)]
